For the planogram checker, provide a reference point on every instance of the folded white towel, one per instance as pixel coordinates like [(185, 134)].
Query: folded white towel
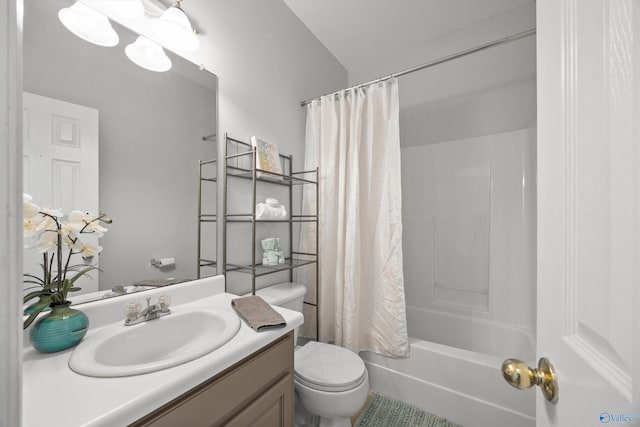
[(265, 211)]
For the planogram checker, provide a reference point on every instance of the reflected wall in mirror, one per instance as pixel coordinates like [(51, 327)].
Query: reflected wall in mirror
[(150, 131)]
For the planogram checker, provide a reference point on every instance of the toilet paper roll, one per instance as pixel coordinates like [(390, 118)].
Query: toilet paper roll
[(167, 262)]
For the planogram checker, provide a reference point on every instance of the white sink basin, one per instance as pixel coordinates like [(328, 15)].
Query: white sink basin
[(182, 336)]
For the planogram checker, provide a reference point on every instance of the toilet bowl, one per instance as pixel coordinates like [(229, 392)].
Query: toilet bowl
[(330, 381)]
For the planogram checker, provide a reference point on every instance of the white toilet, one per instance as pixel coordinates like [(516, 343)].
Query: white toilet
[(331, 381)]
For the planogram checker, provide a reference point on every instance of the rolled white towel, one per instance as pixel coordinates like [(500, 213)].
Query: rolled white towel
[(265, 211), (272, 202)]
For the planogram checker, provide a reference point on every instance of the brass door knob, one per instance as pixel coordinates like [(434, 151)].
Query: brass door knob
[(521, 376)]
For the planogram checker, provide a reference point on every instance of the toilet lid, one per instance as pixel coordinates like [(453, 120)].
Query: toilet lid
[(328, 367)]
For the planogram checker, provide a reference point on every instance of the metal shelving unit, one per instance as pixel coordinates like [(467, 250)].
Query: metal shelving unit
[(205, 180), (245, 153)]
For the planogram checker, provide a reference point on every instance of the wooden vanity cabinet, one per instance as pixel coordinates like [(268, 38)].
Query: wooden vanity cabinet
[(257, 391)]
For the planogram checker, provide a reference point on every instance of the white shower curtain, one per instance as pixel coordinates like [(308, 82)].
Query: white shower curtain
[(354, 139)]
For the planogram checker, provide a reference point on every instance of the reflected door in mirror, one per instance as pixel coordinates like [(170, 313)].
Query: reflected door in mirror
[(60, 141)]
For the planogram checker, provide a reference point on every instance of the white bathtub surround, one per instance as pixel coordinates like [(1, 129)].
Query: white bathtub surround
[(487, 337), (354, 140), (469, 239)]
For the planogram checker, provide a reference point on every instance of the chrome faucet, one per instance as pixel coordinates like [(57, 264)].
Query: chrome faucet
[(133, 315)]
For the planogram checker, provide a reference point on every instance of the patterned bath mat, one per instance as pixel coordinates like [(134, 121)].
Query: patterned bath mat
[(381, 411)]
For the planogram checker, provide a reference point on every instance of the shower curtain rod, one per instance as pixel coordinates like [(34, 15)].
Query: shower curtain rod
[(439, 61)]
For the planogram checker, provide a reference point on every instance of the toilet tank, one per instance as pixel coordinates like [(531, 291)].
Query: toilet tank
[(288, 295)]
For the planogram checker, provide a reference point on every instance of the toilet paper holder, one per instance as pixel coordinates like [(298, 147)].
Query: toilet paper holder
[(163, 262)]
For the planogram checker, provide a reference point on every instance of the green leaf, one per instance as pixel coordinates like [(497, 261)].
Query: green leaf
[(66, 285), (57, 298), (33, 316), (31, 295), (39, 280), (81, 273), (50, 286)]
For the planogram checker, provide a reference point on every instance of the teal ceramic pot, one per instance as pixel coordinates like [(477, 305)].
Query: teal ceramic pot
[(60, 329)]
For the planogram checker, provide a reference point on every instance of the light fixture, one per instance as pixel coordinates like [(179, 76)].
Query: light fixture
[(122, 9), (148, 54), (174, 30), (88, 24)]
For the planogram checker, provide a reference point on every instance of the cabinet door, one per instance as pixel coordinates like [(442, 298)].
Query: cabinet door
[(259, 388), (273, 408)]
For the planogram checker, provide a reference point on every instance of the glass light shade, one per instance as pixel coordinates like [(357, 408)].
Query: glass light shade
[(89, 25), (174, 30), (123, 9), (148, 54)]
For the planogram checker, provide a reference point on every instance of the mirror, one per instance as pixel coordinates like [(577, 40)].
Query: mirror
[(153, 128)]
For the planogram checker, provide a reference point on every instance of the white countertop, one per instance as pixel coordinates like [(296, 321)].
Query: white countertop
[(54, 395)]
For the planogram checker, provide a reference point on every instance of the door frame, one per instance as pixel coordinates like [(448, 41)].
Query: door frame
[(10, 212)]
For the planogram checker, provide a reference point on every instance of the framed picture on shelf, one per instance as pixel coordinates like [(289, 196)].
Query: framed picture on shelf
[(267, 158)]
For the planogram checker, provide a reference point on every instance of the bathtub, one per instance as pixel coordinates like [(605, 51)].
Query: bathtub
[(462, 385)]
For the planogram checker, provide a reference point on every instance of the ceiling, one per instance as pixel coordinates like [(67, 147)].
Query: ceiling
[(358, 32)]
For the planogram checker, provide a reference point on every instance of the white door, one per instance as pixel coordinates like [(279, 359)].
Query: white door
[(60, 149), (589, 210)]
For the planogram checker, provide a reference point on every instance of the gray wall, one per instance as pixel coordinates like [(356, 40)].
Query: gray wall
[(267, 61), (485, 93)]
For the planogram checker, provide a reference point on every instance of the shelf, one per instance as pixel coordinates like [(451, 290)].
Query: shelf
[(207, 263), (241, 164), (235, 218), (208, 217), (286, 180), (263, 270)]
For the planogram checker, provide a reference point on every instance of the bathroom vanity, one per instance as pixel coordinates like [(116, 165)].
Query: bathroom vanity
[(247, 381), (257, 391)]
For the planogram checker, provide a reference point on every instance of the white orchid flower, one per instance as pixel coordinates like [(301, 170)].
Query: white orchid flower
[(70, 238), (88, 250), (29, 209), (99, 229), (66, 229), (86, 222), (79, 219), (48, 223), (30, 226), (53, 212), (47, 241)]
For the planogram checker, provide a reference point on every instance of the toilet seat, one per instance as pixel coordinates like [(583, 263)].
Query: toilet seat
[(328, 367)]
